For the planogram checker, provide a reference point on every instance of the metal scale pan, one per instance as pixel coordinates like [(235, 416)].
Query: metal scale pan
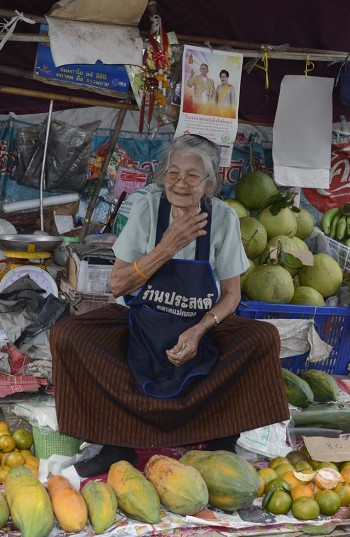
[(29, 243)]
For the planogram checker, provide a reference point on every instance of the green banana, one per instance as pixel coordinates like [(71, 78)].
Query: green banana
[(334, 223), (328, 218), (341, 228)]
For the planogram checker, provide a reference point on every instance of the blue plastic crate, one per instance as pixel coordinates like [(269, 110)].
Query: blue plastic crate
[(332, 325)]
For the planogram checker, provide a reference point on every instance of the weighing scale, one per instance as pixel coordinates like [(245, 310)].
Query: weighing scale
[(29, 253)]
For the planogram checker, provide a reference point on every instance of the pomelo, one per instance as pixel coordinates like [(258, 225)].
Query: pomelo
[(325, 275), (253, 234), (283, 223), (301, 245), (246, 272), (269, 283), (307, 296), (237, 207), (254, 189), (288, 245), (305, 223)]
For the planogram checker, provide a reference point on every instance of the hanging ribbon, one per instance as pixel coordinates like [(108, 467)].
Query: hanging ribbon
[(309, 66), (265, 67), (156, 64), (9, 26)]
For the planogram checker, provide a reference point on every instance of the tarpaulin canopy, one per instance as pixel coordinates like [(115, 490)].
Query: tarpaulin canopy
[(306, 25)]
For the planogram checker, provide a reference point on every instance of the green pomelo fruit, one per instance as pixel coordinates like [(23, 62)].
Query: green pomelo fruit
[(283, 223), (325, 275), (245, 273), (301, 245), (288, 245), (305, 223), (269, 283), (237, 207), (254, 189), (253, 234), (296, 282), (307, 296)]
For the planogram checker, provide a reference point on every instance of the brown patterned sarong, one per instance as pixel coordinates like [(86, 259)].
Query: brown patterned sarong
[(98, 400)]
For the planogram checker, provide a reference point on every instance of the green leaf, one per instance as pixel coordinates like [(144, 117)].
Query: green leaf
[(286, 259), (318, 530), (292, 262)]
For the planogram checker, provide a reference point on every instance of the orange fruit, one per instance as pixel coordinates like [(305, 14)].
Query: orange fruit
[(345, 473), (14, 458), (343, 465), (267, 474), (261, 487), (305, 475), (3, 472), (327, 465), (32, 460), (328, 501), (302, 465), (7, 443), (305, 508), (343, 491), (278, 460), (278, 484), (32, 468), (302, 490), (283, 468), (291, 479), (23, 439), (279, 503), (328, 478)]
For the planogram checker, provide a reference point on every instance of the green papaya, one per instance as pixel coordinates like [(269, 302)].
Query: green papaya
[(297, 390), (323, 386)]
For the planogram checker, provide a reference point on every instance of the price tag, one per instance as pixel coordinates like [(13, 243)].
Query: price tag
[(327, 449)]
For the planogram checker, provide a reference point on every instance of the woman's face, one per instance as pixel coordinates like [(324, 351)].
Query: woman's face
[(223, 78), (180, 194)]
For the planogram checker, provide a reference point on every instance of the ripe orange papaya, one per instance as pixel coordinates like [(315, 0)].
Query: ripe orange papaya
[(101, 503), (29, 503), (181, 488), (68, 504), (136, 496), (233, 483)]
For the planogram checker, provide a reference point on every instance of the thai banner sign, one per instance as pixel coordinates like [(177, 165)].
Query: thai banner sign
[(99, 76)]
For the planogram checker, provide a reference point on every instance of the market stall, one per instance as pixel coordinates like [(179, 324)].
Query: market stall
[(89, 98)]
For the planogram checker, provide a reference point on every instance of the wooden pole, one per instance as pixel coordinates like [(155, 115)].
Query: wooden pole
[(67, 98), (92, 204)]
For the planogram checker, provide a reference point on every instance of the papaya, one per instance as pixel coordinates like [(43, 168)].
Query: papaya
[(101, 503), (29, 503), (323, 386), (232, 482), (180, 487), (4, 511), (68, 504), (297, 390), (136, 496)]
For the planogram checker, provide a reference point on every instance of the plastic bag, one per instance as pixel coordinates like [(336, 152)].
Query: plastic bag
[(67, 156)]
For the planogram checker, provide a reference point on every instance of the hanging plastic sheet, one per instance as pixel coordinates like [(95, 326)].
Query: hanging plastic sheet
[(67, 155)]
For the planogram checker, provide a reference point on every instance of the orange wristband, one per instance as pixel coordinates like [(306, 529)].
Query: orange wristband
[(140, 272)]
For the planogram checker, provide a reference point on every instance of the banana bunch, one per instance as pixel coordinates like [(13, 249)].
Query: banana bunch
[(335, 223)]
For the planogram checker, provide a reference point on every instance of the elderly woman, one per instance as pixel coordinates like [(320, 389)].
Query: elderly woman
[(175, 366)]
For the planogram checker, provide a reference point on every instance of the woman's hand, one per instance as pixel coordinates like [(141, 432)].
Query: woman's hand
[(186, 348), (185, 228)]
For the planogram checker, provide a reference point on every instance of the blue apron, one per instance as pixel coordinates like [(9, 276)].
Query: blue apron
[(175, 298)]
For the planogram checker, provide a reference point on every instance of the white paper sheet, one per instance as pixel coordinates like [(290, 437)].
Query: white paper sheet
[(87, 42), (302, 132)]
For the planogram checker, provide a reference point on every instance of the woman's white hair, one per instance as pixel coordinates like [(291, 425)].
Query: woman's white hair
[(206, 150)]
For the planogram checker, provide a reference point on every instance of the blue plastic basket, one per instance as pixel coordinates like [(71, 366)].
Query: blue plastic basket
[(332, 325)]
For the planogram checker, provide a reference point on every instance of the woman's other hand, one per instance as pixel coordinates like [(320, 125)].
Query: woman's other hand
[(186, 348)]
